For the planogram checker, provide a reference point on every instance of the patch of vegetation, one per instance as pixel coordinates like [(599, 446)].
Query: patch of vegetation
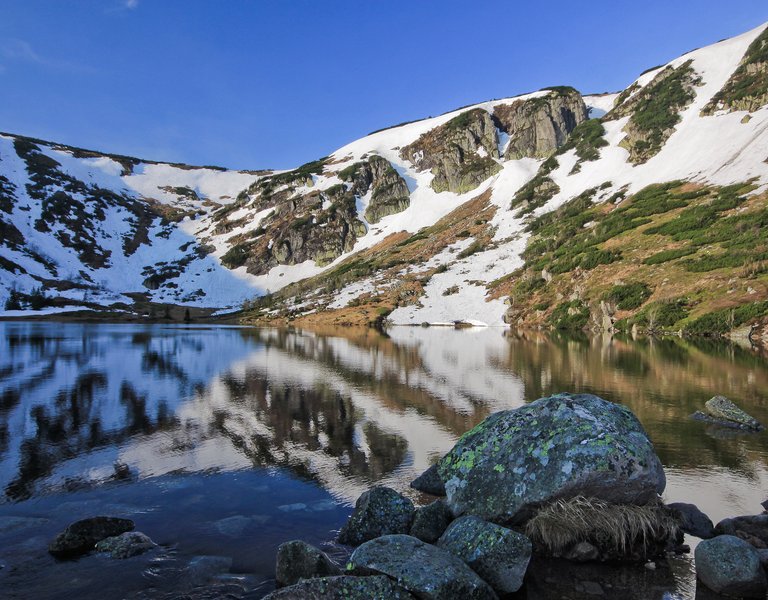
[(236, 256), (727, 319), (587, 139), (572, 316), (473, 248), (629, 296), (667, 255), (538, 191), (454, 289)]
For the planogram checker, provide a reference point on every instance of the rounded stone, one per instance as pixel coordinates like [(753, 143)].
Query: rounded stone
[(729, 565)]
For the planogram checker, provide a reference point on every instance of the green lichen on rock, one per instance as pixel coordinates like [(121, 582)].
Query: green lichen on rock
[(561, 446), (379, 511), (343, 587)]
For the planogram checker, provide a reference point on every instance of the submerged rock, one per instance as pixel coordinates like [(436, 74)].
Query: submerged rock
[(430, 521), (297, 560), (202, 569), (125, 545), (729, 565), (693, 521), (562, 446), (721, 411), (379, 511), (429, 482), (431, 573), (499, 555), (345, 587), (81, 536)]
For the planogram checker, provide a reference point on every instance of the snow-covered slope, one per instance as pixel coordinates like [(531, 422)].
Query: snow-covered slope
[(91, 228)]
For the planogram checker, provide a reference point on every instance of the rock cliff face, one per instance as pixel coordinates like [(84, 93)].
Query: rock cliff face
[(539, 126), (389, 192), (461, 154)]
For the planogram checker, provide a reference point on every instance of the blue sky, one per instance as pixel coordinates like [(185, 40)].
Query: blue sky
[(275, 83)]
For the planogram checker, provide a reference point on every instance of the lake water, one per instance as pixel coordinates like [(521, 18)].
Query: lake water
[(238, 439)]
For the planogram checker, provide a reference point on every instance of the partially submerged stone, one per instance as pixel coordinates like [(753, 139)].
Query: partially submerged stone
[(81, 536), (427, 571), (721, 411), (693, 521), (499, 555), (562, 446), (297, 560), (379, 511), (730, 566), (429, 482), (126, 545), (345, 587), (430, 521), (751, 528)]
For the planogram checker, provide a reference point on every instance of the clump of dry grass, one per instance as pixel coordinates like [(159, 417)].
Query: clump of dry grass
[(618, 527)]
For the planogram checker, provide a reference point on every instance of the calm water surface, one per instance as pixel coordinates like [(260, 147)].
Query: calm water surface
[(239, 439)]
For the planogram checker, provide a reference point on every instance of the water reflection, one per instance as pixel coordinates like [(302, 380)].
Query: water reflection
[(345, 409)]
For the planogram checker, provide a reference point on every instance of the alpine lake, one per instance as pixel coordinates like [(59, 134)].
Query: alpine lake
[(227, 441)]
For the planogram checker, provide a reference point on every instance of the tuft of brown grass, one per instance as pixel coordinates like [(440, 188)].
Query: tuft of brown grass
[(620, 527)]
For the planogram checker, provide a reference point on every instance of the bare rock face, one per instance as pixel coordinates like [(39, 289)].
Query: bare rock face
[(539, 126), (460, 153), (390, 194)]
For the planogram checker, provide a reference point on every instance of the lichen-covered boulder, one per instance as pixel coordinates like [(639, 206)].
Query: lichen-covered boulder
[(561, 446), (81, 536), (126, 545), (430, 521), (427, 571), (297, 560), (730, 566), (499, 555), (722, 409), (429, 482), (345, 587), (379, 511), (693, 521)]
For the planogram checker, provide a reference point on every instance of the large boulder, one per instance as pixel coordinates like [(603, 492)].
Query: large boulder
[(430, 521), (561, 446), (82, 536), (729, 565), (379, 511), (126, 545), (297, 560), (693, 521), (499, 555), (343, 588), (427, 571)]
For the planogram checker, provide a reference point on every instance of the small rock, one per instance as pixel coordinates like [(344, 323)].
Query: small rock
[(81, 536), (499, 555), (202, 569), (723, 409), (651, 566), (345, 587), (430, 521), (582, 552), (752, 528), (297, 560), (693, 521), (429, 482), (728, 565), (379, 511), (427, 571), (125, 545)]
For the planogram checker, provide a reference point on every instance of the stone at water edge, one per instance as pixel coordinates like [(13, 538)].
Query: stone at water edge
[(427, 571), (693, 521), (499, 555), (722, 409), (345, 587), (430, 521), (81, 536), (753, 528), (729, 565), (126, 545), (379, 511), (561, 446), (429, 482), (297, 560)]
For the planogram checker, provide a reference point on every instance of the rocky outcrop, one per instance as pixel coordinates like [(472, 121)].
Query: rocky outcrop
[(389, 192), (722, 411), (461, 153), (297, 560), (539, 126), (499, 555), (344, 587), (427, 571), (379, 511), (82, 536), (562, 446), (730, 566)]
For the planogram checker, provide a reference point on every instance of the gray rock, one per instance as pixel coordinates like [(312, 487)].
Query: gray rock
[(125, 545), (202, 569), (81, 536), (429, 482), (562, 446), (430, 521), (427, 571), (752, 528), (379, 511), (693, 521), (297, 560), (499, 555), (582, 552), (722, 409), (730, 566), (343, 588), (763, 555)]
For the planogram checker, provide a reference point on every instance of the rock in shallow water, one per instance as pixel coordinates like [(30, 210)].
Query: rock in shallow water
[(693, 521), (430, 521), (752, 528), (723, 409), (125, 545), (343, 588), (81, 536), (729, 565), (562, 446), (297, 560), (379, 511), (499, 555), (427, 571)]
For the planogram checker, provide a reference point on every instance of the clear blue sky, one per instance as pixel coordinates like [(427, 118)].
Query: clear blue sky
[(275, 83)]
